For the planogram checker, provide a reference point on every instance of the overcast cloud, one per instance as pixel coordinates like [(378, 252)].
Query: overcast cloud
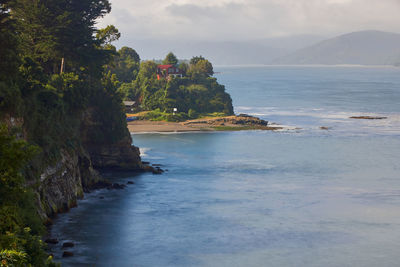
[(248, 19)]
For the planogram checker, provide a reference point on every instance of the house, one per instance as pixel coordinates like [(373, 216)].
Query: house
[(168, 71), (129, 106)]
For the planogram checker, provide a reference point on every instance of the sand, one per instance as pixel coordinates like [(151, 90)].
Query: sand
[(143, 126)]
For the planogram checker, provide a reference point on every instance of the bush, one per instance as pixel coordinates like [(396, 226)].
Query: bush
[(20, 225)]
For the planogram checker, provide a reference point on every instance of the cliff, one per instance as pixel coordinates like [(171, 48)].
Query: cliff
[(108, 152), (62, 182)]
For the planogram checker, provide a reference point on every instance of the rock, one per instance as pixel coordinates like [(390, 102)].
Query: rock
[(101, 184), (118, 186), (67, 254), (157, 171), (68, 245), (108, 154), (244, 115), (51, 241), (130, 182), (48, 222), (145, 162), (231, 121), (368, 118), (60, 185)]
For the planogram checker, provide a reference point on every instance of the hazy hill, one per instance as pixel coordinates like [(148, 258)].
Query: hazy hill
[(224, 52), (364, 48)]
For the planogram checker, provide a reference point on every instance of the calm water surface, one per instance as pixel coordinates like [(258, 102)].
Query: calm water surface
[(304, 197)]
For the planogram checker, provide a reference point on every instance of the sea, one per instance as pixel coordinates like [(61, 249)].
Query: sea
[(302, 196)]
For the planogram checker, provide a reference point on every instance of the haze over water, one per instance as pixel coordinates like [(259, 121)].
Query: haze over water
[(303, 197)]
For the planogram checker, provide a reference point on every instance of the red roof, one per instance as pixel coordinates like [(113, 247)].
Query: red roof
[(164, 67)]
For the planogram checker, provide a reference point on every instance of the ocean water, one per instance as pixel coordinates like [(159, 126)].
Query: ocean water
[(299, 197)]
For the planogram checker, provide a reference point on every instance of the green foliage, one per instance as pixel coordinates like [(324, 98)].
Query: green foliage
[(147, 70), (14, 155), (170, 59), (194, 60), (200, 69), (108, 35), (12, 258), (197, 93), (184, 67), (20, 225), (125, 65), (157, 115), (192, 114), (9, 60), (129, 91), (51, 30)]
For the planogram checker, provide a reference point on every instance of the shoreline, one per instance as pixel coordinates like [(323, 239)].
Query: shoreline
[(228, 123)]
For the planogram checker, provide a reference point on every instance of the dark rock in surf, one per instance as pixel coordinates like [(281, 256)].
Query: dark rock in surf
[(67, 254), (52, 241), (68, 245)]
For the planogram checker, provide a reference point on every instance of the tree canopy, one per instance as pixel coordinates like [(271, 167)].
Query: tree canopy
[(196, 93), (170, 59)]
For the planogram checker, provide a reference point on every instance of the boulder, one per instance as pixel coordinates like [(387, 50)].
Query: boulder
[(68, 245), (67, 254), (51, 241)]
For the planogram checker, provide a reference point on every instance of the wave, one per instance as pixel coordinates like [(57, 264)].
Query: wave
[(143, 151), (312, 119)]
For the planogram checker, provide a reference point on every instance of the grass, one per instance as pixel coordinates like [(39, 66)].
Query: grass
[(157, 115)]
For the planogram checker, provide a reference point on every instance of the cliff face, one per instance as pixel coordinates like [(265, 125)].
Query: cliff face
[(108, 154), (117, 156), (62, 183)]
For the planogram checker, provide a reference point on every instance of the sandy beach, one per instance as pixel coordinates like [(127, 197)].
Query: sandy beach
[(228, 123), (144, 126)]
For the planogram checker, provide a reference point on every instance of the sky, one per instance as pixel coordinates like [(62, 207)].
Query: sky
[(233, 20)]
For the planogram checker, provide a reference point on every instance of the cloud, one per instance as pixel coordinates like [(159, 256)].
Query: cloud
[(248, 19)]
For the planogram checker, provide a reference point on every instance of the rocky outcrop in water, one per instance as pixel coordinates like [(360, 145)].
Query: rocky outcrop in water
[(118, 156), (108, 152), (239, 122)]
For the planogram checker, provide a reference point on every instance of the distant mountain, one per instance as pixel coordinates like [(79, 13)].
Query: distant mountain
[(223, 52), (363, 48)]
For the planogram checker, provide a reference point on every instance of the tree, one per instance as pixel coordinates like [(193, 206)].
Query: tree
[(170, 59), (194, 60), (20, 227), (125, 65), (54, 29), (129, 53), (184, 67), (9, 92), (201, 68), (148, 69), (108, 35)]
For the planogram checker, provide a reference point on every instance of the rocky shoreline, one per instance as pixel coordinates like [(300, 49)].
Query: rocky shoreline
[(227, 123), (101, 183)]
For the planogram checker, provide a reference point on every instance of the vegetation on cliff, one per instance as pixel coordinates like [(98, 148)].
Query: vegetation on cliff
[(194, 94), (53, 76)]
